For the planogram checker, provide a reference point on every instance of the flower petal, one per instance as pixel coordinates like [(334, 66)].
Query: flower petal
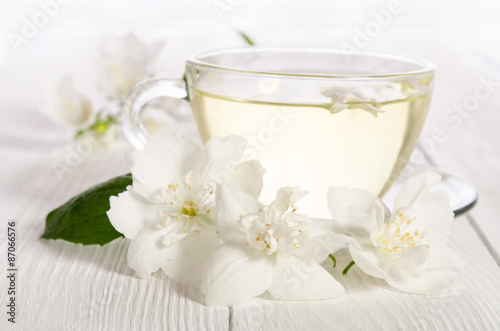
[(124, 62), (296, 279), (164, 160), (218, 160), (302, 222), (66, 106), (434, 215), (357, 213), (441, 274), (147, 253), (129, 45), (131, 156), (235, 274), (193, 253), (411, 264), (320, 247), (441, 257), (369, 259), (321, 227), (233, 203), (248, 176), (414, 189), (130, 212), (285, 197)]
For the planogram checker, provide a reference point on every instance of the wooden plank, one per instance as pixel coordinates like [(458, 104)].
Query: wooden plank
[(371, 305)]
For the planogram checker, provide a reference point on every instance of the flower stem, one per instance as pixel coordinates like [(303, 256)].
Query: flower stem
[(333, 259), (247, 38), (344, 272)]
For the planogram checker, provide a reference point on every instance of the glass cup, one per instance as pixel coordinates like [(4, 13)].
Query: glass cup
[(313, 117)]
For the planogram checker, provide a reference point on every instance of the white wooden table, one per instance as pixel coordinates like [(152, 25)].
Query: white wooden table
[(71, 287)]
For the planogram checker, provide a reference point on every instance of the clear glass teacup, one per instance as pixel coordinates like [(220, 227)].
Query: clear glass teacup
[(313, 117)]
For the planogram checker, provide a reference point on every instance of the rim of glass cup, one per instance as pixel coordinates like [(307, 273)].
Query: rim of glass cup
[(196, 59)]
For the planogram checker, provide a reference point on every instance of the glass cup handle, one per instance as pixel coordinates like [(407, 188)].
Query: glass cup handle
[(140, 95)]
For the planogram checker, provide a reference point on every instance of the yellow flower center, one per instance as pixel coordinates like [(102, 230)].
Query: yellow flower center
[(398, 236), (189, 208), (100, 129)]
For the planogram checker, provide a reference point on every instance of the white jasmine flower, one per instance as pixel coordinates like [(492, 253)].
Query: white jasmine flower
[(169, 211), (105, 140), (408, 248), (103, 131), (269, 248), (369, 99), (124, 63), (342, 100), (66, 106)]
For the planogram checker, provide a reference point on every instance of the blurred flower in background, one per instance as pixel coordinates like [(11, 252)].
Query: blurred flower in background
[(124, 63), (66, 106)]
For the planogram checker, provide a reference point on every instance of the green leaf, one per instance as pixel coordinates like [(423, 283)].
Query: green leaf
[(83, 219)]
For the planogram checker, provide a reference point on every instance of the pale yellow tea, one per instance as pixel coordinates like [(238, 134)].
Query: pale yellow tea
[(312, 147)]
